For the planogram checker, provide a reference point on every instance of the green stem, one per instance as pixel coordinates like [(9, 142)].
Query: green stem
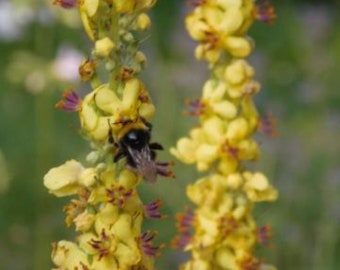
[(114, 35), (45, 140)]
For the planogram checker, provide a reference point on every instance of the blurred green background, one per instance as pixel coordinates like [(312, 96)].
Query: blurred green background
[(296, 60)]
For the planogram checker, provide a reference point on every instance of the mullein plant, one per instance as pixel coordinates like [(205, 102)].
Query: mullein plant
[(106, 209), (220, 231)]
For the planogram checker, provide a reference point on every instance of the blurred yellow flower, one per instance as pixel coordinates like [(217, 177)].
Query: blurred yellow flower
[(220, 232)]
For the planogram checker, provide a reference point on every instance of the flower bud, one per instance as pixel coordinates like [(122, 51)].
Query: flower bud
[(103, 47)]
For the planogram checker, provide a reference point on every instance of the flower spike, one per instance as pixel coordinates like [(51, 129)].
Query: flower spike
[(220, 231), (115, 118)]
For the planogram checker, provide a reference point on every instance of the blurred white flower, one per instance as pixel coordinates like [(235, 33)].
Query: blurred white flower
[(13, 19), (66, 65)]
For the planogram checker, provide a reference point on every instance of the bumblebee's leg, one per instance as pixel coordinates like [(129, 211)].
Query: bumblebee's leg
[(110, 135), (148, 124), (153, 154), (156, 146), (118, 155)]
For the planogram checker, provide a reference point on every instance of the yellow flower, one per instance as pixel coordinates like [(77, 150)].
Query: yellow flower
[(67, 255), (258, 187), (84, 221), (64, 180)]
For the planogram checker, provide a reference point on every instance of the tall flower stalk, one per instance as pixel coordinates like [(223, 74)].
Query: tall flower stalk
[(106, 210), (221, 232)]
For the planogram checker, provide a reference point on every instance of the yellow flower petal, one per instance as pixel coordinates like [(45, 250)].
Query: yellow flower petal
[(124, 6), (128, 179), (89, 28), (146, 110), (235, 73), (68, 255), (197, 264), (207, 153), (237, 129), (84, 221), (107, 100), (248, 149), (88, 177), (226, 259), (225, 109), (226, 4), (231, 21), (101, 131), (227, 165), (185, 150), (63, 180), (107, 262), (131, 93), (234, 180), (238, 46), (84, 241), (107, 216), (127, 256), (90, 6), (87, 114), (122, 228), (196, 27), (258, 188), (214, 128)]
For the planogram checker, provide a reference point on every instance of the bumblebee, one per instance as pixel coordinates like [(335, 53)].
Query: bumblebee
[(133, 143)]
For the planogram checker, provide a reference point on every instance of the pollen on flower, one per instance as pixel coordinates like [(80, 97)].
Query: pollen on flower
[(126, 73), (151, 210), (185, 221), (227, 225), (264, 233), (211, 39), (231, 150), (118, 195), (265, 12), (267, 125), (87, 69), (196, 107), (71, 101), (249, 263), (182, 240), (67, 4), (76, 206), (146, 239), (104, 245)]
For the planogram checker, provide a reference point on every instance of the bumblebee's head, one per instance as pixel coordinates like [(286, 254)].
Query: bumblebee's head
[(136, 138), (135, 134)]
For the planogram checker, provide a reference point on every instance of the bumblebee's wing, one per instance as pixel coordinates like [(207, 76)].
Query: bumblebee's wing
[(144, 164)]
